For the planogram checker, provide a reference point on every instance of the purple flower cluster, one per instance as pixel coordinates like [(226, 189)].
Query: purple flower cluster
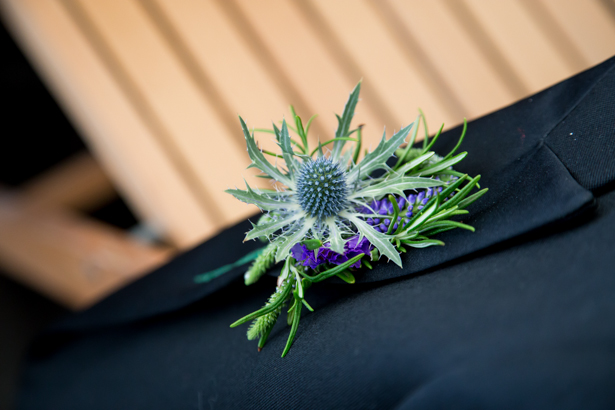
[(408, 207), (352, 248)]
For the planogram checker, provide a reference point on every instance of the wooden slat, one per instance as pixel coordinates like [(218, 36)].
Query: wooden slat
[(194, 134), (217, 50), (73, 260), (114, 128), (589, 24), (453, 53), (77, 183), (521, 41), (303, 58), (155, 85), (383, 63), (555, 34)]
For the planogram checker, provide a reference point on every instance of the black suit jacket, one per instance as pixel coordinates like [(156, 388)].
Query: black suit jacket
[(519, 314)]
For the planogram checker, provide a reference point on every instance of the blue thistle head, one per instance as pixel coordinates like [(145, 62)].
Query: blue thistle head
[(321, 188)]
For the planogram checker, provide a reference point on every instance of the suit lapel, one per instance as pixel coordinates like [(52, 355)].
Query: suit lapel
[(529, 187)]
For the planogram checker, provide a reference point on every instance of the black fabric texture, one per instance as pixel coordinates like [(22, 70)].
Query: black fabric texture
[(517, 315), (580, 139)]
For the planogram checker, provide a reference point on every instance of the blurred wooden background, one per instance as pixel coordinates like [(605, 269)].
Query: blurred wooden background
[(155, 87)]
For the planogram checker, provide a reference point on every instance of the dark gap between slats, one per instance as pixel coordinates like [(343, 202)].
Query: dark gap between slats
[(555, 34), (487, 47), (143, 108), (267, 60), (350, 68), (207, 88), (415, 55)]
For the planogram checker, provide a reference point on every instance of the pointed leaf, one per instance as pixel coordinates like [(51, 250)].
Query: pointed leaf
[(262, 201), (346, 276), (344, 121), (444, 224), (442, 165), (379, 240), (335, 237), (312, 244), (396, 185), (424, 243), (377, 159), (470, 200), (287, 149), (423, 216), (269, 229), (415, 163), (284, 248), (258, 159), (406, 151), (337, 269)]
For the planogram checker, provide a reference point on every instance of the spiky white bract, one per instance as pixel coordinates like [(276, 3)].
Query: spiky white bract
[(322, 194), (344, 211)]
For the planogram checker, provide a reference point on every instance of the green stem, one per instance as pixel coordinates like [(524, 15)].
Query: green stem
[(266, 309), (271, 153), (426, 140), (463, 134), (357, 149), (334, 271), (293, 329), (433, 140), (395, 215), (330, 141)]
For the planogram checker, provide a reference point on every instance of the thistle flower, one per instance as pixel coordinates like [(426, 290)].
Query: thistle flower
[(331, 212), (321, 195)]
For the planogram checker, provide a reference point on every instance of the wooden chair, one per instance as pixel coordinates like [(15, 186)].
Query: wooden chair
[(155, 86)]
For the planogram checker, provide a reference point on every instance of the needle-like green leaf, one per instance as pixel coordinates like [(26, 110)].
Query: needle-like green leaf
[(396, 185), (293, 239), (439, 166), (335, 237), (259, 161), (262, 201), (287, 149), (379, 240), (270, 228), (344, 121), (377, 159)]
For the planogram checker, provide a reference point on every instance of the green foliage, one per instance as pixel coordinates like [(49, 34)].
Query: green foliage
[(285, 222), (261, 265)]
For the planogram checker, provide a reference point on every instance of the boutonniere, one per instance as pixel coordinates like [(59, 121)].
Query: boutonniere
[(332, 214)]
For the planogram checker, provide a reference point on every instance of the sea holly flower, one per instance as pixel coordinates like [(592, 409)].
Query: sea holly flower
[(331, 213)]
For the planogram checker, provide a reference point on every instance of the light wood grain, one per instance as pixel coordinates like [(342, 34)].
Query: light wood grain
[(589, 24), (108, 119), (524, 45), (210, 154), (155, 87), (71, 259), (78, 183), (303, 58), (459, 60)]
